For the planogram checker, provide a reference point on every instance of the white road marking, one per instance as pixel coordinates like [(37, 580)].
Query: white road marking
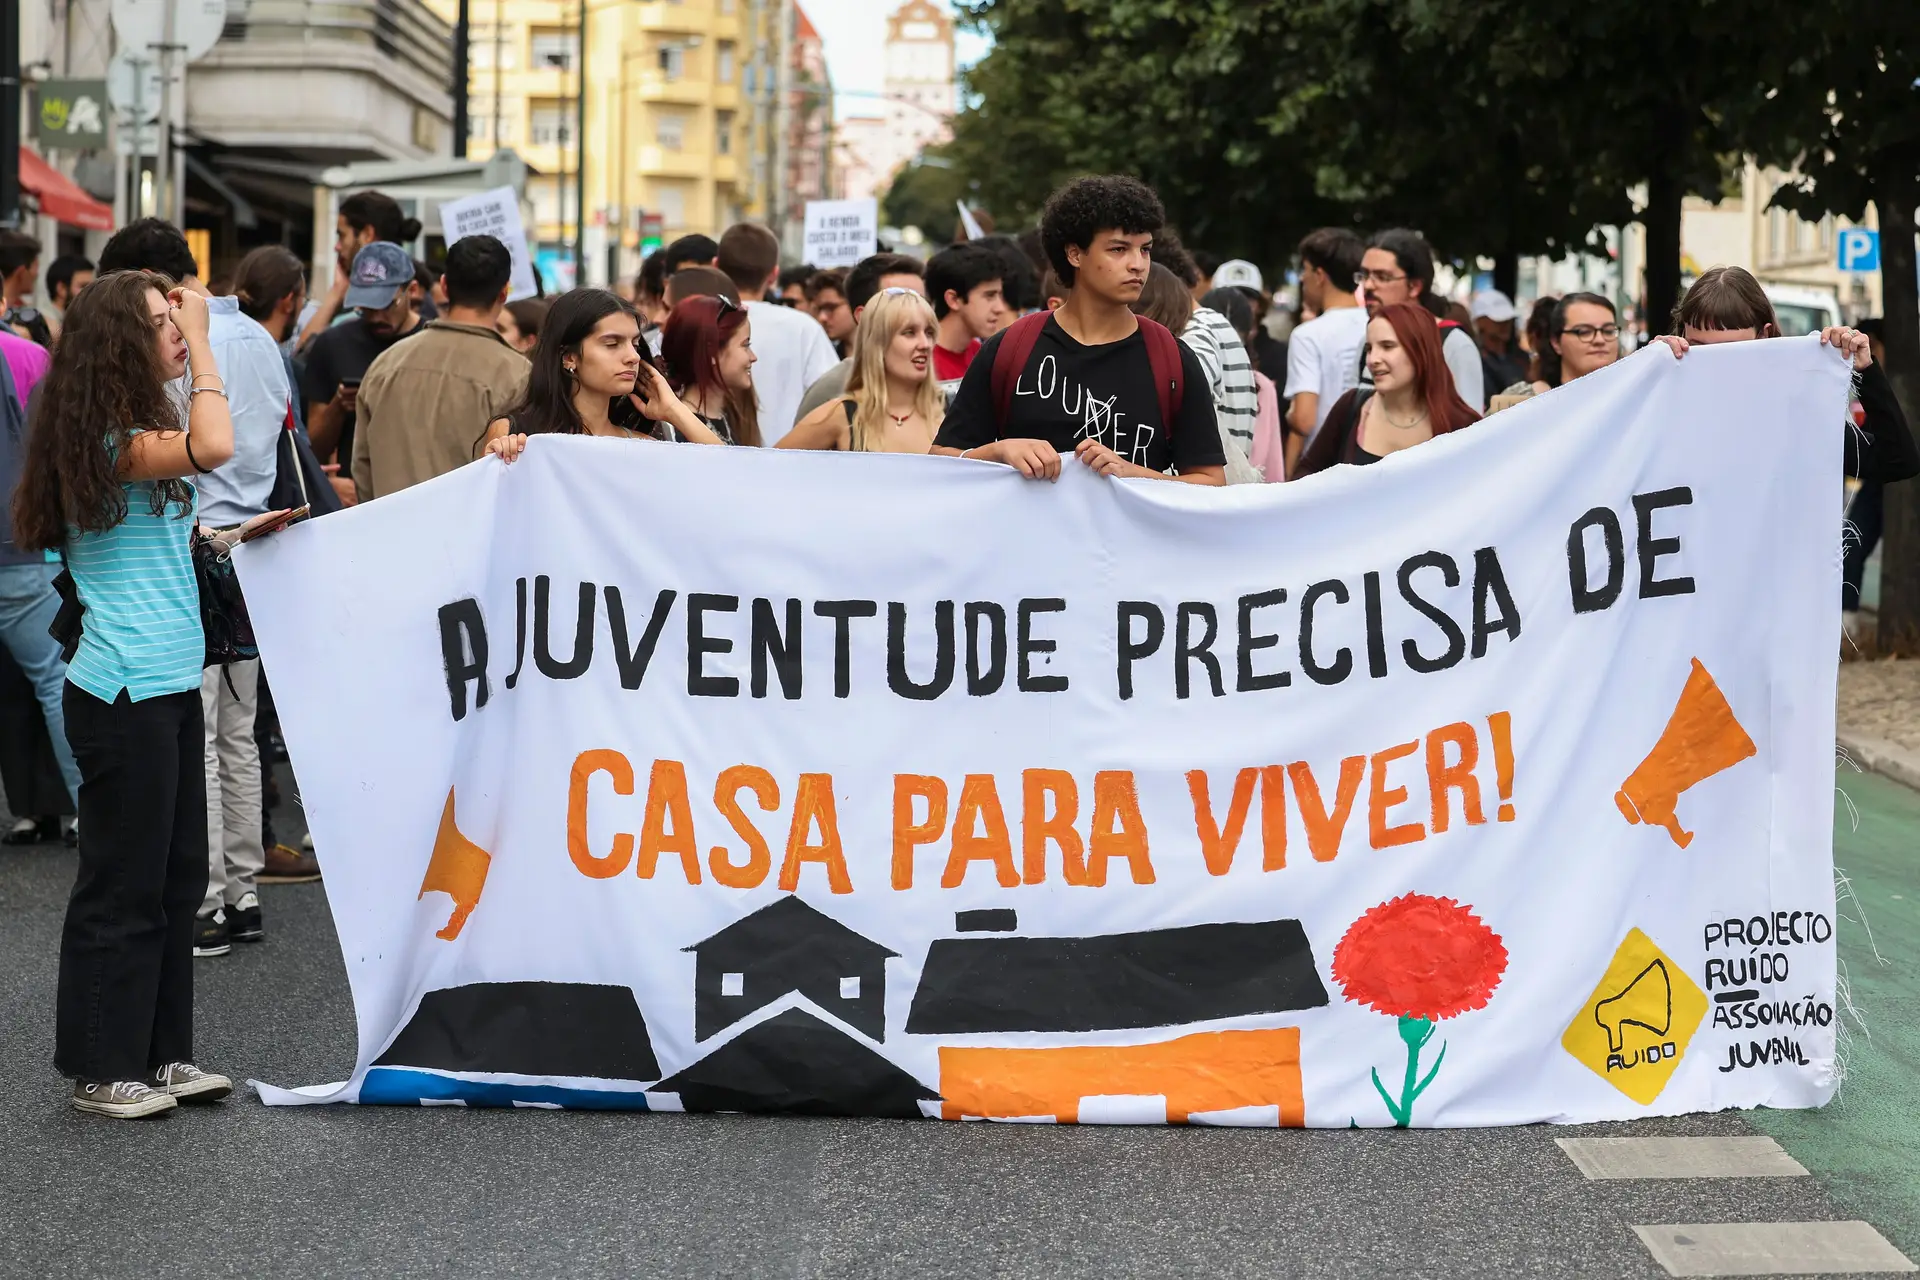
[(1760, 1157), (1771, 1249)]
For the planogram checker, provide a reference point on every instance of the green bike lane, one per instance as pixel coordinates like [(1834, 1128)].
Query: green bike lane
[(1865, 1145)]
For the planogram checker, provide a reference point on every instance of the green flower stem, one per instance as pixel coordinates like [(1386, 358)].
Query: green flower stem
[(1414, 1033)]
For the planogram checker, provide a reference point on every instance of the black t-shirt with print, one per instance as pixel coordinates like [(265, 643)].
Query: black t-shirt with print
[(340, 354), (1071, 392)]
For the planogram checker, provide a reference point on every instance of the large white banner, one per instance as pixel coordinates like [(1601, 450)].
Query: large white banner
[(1486, 785)]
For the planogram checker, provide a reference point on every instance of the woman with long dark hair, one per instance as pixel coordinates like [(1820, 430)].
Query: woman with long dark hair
[(105, 484), (591, 378), (707, 351), (1412, 399)]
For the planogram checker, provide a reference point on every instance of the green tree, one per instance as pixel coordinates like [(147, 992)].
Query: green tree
[(1844, 114), (926, 194)]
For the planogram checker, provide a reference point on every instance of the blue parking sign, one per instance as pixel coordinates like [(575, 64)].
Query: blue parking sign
[(1858, 249)]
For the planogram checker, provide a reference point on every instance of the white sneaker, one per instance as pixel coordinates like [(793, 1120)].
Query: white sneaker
[(121, 1099), (188, 1083)]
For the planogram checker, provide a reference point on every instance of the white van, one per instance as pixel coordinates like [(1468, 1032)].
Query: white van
[(1802, 311)]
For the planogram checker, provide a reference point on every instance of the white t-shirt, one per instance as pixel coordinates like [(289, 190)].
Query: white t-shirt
[(794, 352), (1323, 357)]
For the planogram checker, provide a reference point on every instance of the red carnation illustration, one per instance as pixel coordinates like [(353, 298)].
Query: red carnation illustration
[(1419, 959)]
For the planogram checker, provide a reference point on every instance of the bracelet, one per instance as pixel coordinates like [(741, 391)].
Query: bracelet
[(216, 377), (212, 391), (193, 461)]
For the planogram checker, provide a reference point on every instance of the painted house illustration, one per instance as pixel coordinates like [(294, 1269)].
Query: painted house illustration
[(788, 946), (993, 980), (798, 1064), (577, 1029)]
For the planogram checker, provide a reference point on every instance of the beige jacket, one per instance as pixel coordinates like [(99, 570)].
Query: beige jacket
[(425, 405)]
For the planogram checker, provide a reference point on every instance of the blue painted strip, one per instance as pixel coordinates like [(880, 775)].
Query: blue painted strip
[(404, 1086)]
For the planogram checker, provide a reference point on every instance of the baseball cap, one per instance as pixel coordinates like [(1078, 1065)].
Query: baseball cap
[(1491, 304), (1237, 273), (380, 270)]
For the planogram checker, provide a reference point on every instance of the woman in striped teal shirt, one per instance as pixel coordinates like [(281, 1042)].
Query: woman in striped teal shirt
[(105, 486)]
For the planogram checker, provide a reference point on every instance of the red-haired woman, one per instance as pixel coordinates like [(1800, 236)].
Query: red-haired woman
[(1412, 399), (707, 348)]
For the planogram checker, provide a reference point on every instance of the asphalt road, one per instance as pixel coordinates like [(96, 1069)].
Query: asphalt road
[(343, 1191)]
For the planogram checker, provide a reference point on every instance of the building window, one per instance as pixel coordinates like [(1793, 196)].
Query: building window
[(558, 49), (673, 61), (671, 204), (723, 63), (670, 130), (551, 125), (733, 984), (544, 192), (726, 6), (723, 133), (849, 988)]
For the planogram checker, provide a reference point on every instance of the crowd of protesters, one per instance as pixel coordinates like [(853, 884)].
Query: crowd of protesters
[(148, 423)]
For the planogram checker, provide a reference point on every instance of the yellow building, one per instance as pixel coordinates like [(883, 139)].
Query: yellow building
[(679, 120)]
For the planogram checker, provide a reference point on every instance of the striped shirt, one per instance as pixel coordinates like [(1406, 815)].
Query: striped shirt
[(141, 630), (1229, 370)]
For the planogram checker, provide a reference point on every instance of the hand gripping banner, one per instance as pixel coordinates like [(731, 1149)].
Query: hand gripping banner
[(1490, 784)]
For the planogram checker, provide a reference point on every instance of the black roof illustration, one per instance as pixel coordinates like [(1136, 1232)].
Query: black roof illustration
[(795, 1063), (528, 1028), (788, 946), (1156, 978)]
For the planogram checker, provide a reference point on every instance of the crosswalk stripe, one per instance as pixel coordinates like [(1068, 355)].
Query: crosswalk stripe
[(1771, 1249), (1760, 1157)]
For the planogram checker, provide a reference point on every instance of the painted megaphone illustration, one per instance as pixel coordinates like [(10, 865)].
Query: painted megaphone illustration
[(1701, 739), (1647, 1002)]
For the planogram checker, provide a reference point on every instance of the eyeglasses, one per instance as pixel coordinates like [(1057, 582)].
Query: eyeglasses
[(1588, 332), (898, 289), (1377, 277), (726, 304)]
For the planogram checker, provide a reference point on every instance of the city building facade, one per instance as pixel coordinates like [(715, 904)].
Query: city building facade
[(916, 105)]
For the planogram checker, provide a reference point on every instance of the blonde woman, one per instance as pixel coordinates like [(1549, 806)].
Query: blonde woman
[(893, 402)]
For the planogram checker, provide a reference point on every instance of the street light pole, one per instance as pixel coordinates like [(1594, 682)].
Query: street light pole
[(461, 31)]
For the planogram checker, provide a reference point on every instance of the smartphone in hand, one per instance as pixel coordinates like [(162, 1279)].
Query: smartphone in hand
[(279, 522)]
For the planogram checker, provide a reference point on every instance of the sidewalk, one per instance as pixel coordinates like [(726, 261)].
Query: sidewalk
[(1879, 717)]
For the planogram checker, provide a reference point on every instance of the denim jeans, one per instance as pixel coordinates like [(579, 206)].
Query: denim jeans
[(27, 606)]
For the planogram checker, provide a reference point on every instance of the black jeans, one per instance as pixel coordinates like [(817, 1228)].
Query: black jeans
[(1868, 515), (126, 954)]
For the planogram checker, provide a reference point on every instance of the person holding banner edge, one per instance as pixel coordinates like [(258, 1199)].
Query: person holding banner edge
[(590, 379), (1098, 232)]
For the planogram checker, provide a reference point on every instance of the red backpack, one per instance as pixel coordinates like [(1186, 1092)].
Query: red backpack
[(1017, 343)]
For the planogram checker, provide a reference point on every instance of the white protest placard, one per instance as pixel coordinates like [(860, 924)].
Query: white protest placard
[(1503, 795), (493, 213), (841, 232)]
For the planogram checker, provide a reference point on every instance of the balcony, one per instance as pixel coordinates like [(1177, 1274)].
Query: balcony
[(344, 79)]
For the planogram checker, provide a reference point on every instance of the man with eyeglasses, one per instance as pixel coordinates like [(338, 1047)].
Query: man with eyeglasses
[(378, 295), (1398, 267)]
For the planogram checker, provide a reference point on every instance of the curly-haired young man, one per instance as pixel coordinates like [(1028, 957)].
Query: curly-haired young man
[(1087, 385)]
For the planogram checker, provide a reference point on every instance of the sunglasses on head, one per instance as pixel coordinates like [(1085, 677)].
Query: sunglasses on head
[(726, 304)]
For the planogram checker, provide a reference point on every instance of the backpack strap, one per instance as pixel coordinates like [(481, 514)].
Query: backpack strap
[(1010, 361), (1163, 356)]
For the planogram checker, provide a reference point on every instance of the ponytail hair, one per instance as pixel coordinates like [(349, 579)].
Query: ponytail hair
[(382, 212)]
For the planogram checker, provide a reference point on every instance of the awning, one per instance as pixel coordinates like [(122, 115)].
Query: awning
[(59, 197)]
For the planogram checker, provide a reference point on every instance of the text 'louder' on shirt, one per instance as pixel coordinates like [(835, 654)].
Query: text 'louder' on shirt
[(1071, 392)]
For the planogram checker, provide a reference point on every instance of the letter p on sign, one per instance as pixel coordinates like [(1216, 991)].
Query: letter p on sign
[(1859, 249)]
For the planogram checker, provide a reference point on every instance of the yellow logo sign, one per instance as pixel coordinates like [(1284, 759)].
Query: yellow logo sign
[(1632, 1030)]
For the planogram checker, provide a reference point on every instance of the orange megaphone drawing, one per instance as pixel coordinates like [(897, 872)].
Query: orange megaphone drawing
[(1700, 740), (458, 869)]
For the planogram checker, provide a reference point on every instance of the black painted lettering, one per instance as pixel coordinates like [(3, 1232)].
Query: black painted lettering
[(988, 679), (1652, 548), (633, 662), (700, 644), (1376, 631), (582, 656), (1029, 644), (463, 649), (1588, 598), (1456, 639), (1247, 680), (775, 648), (1342, 665), (1132, 650), (1490, 586), (519, 630), (943, 658), (1186, 651), (843, 612)]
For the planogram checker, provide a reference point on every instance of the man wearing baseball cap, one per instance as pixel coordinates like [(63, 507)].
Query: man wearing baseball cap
[(1494, 326), (377, 294)]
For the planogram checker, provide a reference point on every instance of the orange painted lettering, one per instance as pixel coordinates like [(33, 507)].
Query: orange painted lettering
[(813, 802), (1381, 797), (980, 803), (1118, 829), (908, 834), (1443, 777), (1324, 829), (585, 766), (1273, 818), (1217, 846), (667, 800), (726, 798), (1036, 827)]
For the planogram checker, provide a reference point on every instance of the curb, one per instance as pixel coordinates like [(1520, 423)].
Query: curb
[(1882, 757)]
